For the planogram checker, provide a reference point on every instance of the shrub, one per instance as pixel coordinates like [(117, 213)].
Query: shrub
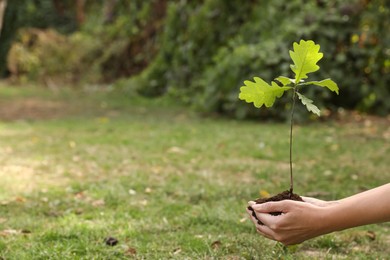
[(208, 49), (50, 57)]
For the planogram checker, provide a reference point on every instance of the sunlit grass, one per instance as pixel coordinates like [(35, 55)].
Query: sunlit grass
[(165, 182)]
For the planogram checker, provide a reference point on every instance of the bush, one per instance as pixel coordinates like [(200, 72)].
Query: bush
[(52, 58), (201, 51), (100, 51), (208, 49), (193, 32)]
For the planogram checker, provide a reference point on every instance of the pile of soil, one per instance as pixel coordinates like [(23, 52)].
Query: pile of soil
[(285, 195)]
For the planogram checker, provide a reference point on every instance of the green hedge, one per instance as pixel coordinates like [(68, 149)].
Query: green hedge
[(207, 49), (50, 48), (202, 51)]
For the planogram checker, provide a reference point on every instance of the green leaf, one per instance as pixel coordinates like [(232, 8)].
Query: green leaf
[(309, 104), (330, 84), (260, 92), (285, 81), (305, 57)]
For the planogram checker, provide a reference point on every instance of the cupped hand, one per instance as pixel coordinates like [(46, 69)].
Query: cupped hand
[(297, 222)]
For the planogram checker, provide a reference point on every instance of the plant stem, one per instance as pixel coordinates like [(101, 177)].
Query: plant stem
[(291, 139)]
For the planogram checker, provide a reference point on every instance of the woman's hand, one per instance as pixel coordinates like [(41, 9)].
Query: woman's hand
[(300, 221), (297, 222)]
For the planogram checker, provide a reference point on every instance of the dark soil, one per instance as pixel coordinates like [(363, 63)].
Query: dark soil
[(285, 195)]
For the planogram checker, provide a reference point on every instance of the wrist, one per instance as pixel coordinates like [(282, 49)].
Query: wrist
[(330, 218)]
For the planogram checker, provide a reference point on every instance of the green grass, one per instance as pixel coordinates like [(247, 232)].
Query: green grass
[(79, 166)]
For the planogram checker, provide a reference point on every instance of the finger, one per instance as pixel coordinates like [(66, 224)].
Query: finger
[(307, 198), (265, 231), (269, 207), (268, 219), (310, 199), (251, 217), (314, 201), (262, 234), (274, 206), (250, 213), (251, 203)]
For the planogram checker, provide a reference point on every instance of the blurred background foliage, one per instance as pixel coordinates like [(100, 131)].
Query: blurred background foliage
[(200, 51)]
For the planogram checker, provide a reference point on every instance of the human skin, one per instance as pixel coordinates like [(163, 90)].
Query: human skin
[(301, 221)]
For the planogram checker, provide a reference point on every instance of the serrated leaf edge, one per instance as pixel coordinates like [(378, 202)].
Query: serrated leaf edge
[(257, 84), (299, 76), (328, 83), (308, 103)]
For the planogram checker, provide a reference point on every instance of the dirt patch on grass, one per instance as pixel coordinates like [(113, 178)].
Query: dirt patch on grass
[(33, 109), (368, 126), (22, 176), (320, 254), (355, 117)]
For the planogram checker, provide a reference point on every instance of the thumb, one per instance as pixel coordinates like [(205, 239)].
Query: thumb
[(251, 203), (272, 206)]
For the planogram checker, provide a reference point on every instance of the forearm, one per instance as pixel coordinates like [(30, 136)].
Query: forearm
[(372, 206)]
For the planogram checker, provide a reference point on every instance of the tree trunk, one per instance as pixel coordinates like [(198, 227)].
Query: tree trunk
[(80, 11), (59, 6), (11, 22), (3, 5), (109, 11)]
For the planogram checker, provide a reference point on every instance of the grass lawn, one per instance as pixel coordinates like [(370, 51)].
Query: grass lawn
[(77, 167)]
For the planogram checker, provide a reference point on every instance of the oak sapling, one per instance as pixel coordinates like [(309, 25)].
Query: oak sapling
[(305, 56)]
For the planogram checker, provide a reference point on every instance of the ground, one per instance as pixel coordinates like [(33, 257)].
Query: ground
[(80, 166)]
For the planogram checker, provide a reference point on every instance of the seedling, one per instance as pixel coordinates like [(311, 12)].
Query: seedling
[(305, 56)]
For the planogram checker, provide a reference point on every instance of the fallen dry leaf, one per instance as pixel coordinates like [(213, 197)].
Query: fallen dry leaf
[(10, 232), (176, 251), (98, 203), (243, 219), (4, 202), (78, 211), (7, 232), (79, 195), (216, 244), (371, 235), (334, 147), (131, 251), (72, 144), (103, 120), (143, 202), (157, 169), (20, 199), (177, 150), (264, 194)]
